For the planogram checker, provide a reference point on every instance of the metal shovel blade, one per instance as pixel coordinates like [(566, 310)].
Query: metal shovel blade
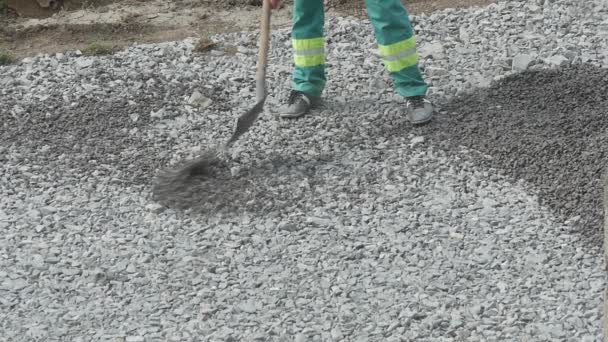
[(245, 121)]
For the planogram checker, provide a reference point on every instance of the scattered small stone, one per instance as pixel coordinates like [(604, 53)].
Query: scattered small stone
[(84, 63), (37, 261), (159, 114), (417, 140), (456, 235), (198, 100), (522, 62), (336, 333), (287, 226), (131, 268), (557, 60), (47, 210), (247, 307), (432, 50), (320, 221), (436, 71), (154, 207), (134, 339)]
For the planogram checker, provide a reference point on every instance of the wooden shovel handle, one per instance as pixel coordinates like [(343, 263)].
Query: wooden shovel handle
[(263, 51)]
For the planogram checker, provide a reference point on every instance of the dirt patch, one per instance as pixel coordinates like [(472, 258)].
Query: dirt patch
[(71, 5), (357, 8), (120, 23), (124, 23), (59, 38)]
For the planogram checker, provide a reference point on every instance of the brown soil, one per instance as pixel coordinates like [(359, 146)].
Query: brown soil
[(119, 23), (357, 7)]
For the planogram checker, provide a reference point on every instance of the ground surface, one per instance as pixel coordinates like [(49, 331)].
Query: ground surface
[(349, 224), (120, 23)]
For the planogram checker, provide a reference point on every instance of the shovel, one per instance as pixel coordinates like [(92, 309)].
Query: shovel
[(246, 120)]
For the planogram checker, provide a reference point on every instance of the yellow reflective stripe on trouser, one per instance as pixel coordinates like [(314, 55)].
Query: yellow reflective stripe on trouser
[(400, 55), (309, 52)]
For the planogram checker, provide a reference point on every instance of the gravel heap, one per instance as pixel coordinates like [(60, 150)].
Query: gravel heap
[(549, 128), (348, 224)]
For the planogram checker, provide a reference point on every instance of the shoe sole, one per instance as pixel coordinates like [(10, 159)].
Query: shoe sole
[(313, 104), (420, 122), (291, 116), (297, 115)]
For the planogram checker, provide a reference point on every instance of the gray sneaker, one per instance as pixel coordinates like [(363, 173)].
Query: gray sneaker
[(419, 109), (298, 104)]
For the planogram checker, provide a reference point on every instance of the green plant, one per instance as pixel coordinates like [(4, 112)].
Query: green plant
[(97, 49), (5, 57), (204, 45), (3, 7)]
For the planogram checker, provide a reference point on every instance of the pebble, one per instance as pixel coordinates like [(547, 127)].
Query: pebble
[(154, 207), (248, 307), (417, 140), (197, 99), (432, 50), (435, 71), (83, 63), (158, 114), (557, 60), (521, 62), (134, 339)]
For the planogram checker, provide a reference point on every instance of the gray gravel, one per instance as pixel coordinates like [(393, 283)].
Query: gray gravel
[(346, 225), (548, 128)]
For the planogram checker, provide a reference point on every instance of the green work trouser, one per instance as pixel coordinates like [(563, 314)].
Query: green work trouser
[(394, 35)]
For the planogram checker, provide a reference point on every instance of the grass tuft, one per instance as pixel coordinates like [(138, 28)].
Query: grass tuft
[(204, 45), (5, 57), (97, 49)]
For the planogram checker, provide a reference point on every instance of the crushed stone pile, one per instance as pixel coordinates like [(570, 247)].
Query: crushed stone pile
[(349, 224), (546, 127)]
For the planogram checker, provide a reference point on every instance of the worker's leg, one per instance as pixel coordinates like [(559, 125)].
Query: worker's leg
[(397, 45), (308, 43)]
